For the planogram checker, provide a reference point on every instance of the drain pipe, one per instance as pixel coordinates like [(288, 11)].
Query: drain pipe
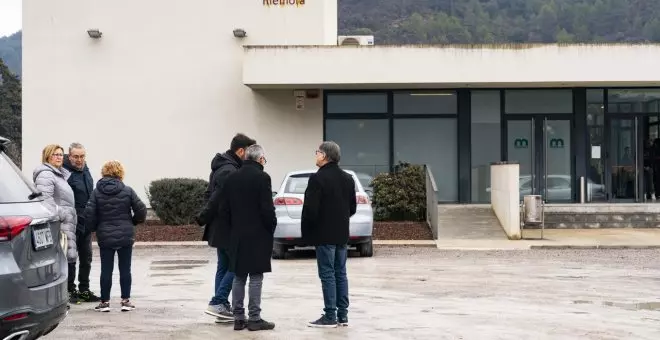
[(581, 189)]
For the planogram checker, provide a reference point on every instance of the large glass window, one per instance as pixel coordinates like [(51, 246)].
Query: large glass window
[(539, 101), (425, 102), (633, 101), (364, 143), (347, 103), (485, 141), (431, 141)]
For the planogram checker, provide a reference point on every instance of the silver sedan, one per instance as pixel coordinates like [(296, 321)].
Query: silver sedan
[(288, 208)]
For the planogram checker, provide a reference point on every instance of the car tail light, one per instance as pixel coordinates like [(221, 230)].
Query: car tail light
[(15, 317), (362, 199), (12, 226), (288, 201)]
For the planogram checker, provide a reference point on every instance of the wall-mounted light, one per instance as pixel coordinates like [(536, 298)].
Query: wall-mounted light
[(240, 33), (94, 33)]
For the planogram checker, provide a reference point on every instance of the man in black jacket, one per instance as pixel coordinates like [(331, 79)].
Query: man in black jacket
[(82, 184), (247, 211), (329, 204), (222, 166)]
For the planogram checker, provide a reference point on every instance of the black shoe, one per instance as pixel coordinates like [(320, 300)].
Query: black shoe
[(342, 321), (74, 297), (261, 325), (240, 325), (323, 322), (88, 296)]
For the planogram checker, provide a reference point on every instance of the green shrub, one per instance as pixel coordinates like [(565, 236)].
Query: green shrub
[(400, 195), (177, 201)]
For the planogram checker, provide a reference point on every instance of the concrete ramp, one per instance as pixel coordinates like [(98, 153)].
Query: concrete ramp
[(468, 222)]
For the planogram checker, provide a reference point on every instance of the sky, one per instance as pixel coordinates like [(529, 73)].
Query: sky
[(10, 17)]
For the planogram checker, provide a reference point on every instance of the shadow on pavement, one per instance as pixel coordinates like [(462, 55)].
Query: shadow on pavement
[(310, 254)]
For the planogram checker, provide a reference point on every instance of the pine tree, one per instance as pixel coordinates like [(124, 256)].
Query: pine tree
[(10, 111)]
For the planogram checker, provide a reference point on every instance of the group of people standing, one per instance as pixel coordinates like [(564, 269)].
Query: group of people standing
[(110, 209), (240, 221)]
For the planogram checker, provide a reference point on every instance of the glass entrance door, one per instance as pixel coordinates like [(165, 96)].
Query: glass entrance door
[(542, 147), (625, 159), (557, 160)]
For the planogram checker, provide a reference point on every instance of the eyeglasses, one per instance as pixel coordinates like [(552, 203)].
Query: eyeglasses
[(78, 156), (58, 155), (319, 152)]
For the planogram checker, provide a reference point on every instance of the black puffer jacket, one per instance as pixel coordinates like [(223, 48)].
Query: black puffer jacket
[(112, 212), (215, 233)]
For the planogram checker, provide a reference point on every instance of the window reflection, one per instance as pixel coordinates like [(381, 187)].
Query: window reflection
[(633, 101)]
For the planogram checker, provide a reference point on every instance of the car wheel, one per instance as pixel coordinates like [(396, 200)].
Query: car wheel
[(279, 251), (366, 249)]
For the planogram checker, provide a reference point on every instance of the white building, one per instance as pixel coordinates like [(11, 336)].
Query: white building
[(168, 84)]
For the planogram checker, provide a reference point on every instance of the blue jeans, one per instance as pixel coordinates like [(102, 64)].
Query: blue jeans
[(107, 266), (223, 280), (331, 262)]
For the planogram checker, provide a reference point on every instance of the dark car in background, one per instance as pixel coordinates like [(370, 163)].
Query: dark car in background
[(33, 265)]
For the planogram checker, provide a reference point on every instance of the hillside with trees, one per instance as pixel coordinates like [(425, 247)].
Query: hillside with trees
[(501, 21), (10, 111), (11, 52)]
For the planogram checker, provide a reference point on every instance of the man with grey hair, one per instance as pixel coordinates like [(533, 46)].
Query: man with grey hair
[(222, 165), (247, 210), (329, 204), (82, 184)]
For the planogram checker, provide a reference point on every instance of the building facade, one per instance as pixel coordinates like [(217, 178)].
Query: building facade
[(169, 83)]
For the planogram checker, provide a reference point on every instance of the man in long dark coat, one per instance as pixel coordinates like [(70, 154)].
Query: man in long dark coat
[(248, 212)]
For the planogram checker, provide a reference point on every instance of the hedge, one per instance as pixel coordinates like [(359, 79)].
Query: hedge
[(177, 201), (401, 194)]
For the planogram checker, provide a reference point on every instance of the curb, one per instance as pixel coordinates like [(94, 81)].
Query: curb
[(595, 246), (195, 244), (152, 245), (484, 248), (406, 243)]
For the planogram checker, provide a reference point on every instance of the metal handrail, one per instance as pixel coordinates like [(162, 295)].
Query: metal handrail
[(431, 201)]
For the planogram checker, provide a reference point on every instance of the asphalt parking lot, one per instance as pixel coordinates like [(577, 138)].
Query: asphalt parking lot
[(400, 293)]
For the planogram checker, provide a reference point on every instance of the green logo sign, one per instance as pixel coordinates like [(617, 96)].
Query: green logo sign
[(520, 143), (557, 143)]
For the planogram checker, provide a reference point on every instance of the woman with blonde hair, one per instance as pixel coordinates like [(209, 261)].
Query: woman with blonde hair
[(113, 211), (50, 178)]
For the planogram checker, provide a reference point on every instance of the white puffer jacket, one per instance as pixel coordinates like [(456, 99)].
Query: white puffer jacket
[(58, 198)]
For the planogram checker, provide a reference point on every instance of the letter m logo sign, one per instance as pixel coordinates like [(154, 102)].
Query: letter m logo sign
[(557, 143), (520, 143)]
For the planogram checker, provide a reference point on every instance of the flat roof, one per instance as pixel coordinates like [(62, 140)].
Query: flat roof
[(451, 65)]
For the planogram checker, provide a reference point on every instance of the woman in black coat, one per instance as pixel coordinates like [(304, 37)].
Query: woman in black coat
[(113, 211)]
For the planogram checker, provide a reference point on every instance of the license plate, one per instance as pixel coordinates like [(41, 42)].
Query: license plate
[(43, 238)]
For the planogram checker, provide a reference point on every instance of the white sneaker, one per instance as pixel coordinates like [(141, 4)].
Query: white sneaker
[(223, 320), (219, 311), (103, 307), (127, 306)]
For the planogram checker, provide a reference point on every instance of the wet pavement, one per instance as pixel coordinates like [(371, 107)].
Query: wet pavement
[(400, 293)]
